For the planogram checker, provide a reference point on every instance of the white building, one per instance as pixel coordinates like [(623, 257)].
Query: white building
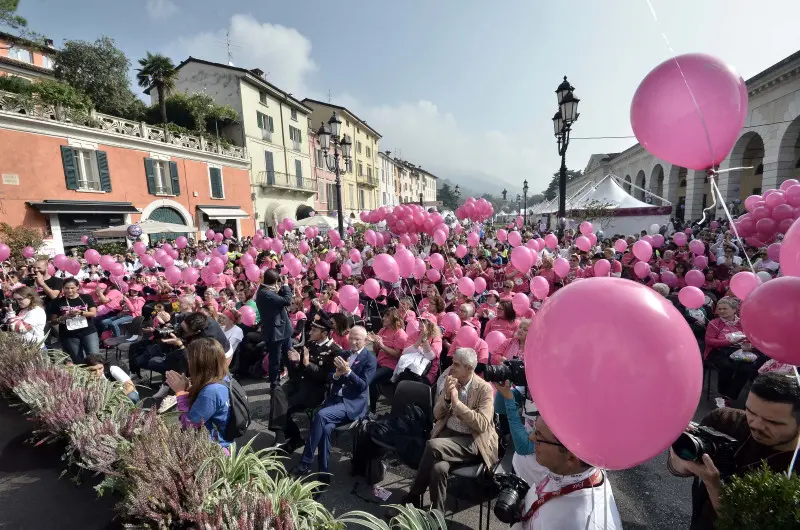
[(769, 144), (273, 126), (386, 168)]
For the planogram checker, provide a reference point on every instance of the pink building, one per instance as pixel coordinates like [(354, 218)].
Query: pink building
[(325, 202)]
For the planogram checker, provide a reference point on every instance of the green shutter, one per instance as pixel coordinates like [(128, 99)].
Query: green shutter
[(150, 173), (173, 174), (70, 170), (102, 167), (271, 126), (216, 183), (260, 120)]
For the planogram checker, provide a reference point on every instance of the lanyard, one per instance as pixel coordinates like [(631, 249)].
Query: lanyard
[(589, 482)]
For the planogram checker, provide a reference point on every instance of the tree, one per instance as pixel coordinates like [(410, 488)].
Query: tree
[(100, 70), (600, 214), (446, 195), (552, 188), (19, 237), (196, 111), (157, 71), (8, 16)]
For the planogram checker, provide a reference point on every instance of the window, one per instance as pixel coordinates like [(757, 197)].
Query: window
[(296, 136), (320, 158), (321, 191), (266, 126), (162, 177), (361, 200), (298, 171), (358, 146), (47, 62), (369, 152), (294, 114), (20, 54), (217, 187), (262, 98), (352, 192), (85, 169), (333, 198), (347, 122), (369, 172), (270, 167), (360, 169)]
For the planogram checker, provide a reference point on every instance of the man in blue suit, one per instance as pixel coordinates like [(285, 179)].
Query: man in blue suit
[(346, 401)]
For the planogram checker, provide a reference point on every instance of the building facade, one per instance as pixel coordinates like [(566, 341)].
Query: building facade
[(415, 184), (273, 127), (360, 183), (388, 195), (326, 199), (69, 179), (768, 149), (24, 58)]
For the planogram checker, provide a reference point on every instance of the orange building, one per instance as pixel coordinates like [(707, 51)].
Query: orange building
[(25, 58), (70, 180)]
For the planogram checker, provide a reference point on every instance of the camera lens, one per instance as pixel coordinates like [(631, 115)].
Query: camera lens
[(689, 447), (506, 506), (496, 373)]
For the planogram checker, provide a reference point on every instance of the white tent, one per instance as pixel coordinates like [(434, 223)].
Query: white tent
[(320, 221), (148, 226), (628, 214)]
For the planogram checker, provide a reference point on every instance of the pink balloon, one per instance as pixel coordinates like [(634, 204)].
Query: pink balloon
[(346, 270), (348, 298), (751, 203), (774, 252), (648, 238), (439, 237), (480, 285), (770, 316), (522, 259), (782, 211), (372, 288), (148, 261), (166, 261), (295, 268), (190, 275), (436, 261), (28, 252), (521, 302), (788, 183), (494, 339), (657, 241), (106, 262), (322, 269), (466, 335), (514, 239), (691, 297), (248, 315), (648, 351), (228, 233), (641, 269), (679, 238), (461, 251), (790, 251), (602, 267), (172, 274), (743, 283), (451, 322), (540, 287), (386, 268), (642, 250), (697, 247), (693, 129), (419, 268), (669, 278), (582, 242), (277, 245), (216, 265), (355, 255), (433, 275), (502, 235), (695, 278), (303, 247), (218, 238), (140, 248), (210, 234), (701, 262), (592, 238), (551, 241), (369, 237), (181, 242), (766, 227), (793, 195), (473, 239), (466, 286), (405, 262), (84, 239), (774, 199), (252, 272), (586, 228), (620, 245), (92, 256), (331, 256), (561, 267)]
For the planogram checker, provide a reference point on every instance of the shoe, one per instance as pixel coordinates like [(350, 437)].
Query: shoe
[(290, 446), (325, 478), (137, 379), (301, 470), (163, 391), (167, 403)]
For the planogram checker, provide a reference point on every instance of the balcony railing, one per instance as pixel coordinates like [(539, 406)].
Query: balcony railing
[(368, 181), (26, 106), (275, 179)]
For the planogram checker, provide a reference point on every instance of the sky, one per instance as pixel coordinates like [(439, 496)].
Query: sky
[(464, 88)]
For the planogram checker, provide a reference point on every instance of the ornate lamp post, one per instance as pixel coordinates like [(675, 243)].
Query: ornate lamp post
[(342, 147), (525, 202), (457, 193), (519, 203), (420, 200), (562, 124)]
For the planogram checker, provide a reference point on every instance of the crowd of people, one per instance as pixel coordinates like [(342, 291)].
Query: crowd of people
[(293, 331)]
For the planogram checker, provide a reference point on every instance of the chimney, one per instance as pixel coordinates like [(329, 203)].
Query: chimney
[(258, 72), (48, 43), (388, 154)]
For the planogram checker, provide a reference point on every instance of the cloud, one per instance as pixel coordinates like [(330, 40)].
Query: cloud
[(160, 9), (283, 53)]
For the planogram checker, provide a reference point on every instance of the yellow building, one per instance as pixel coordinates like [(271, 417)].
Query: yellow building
[(360, 182)]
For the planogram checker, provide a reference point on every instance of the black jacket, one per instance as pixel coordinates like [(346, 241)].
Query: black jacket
[(272, 307)]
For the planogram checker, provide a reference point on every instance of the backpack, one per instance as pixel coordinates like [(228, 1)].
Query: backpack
[(239, 420)]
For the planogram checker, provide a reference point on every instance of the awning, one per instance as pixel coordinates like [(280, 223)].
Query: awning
[(222, 213), (83, 207), (148, 227)]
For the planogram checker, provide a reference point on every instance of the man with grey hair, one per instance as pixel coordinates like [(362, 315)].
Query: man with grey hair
[(662, 289), (463, 432)]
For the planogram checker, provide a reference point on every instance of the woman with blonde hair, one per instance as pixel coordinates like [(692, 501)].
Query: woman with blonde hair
[(204, 396)]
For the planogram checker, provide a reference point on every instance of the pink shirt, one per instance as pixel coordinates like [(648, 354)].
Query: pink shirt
[(296, 317), (510, 349), (506, 327), (331, 307), (134, 305), (395, 339), (113, 305), (343, 341), (492, 309)]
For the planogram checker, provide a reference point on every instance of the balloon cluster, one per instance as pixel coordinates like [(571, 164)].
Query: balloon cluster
[(769, 214), (477, 210)]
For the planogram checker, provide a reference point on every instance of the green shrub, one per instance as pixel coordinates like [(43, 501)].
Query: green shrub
[(763, 499)]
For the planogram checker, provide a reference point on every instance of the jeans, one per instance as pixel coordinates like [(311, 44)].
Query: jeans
[(382, 375), (78, 348), (277, 352), (116, 322)]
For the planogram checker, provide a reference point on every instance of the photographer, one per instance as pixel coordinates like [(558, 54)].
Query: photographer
[(273, 299), (766, 432)]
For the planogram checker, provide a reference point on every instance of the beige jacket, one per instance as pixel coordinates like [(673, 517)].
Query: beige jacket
[(477, 413)]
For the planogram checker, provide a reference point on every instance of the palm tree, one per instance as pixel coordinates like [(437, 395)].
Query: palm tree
[(157, 71)]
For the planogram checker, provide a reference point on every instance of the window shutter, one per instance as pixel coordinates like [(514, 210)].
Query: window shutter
[(216, 183), (176, 182), (70, 170), (102, 168), (298, 169), (271, 126), (299, 135), (260, 120), (150, 173)]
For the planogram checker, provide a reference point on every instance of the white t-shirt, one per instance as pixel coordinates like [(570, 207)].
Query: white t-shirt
[(736, 260), (585, 509), (36, 318), (355, 267), (235, 336)]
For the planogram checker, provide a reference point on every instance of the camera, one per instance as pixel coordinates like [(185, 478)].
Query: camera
[(512, 370), (508, 506), (163, 332), (698, 440)]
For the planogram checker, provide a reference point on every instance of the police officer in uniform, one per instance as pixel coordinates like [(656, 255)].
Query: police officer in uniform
[(309, 375)]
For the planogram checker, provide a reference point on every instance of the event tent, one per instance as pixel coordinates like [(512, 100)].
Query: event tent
[(148, 227)]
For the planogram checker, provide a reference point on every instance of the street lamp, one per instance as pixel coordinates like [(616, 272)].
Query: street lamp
[(342, 146), (525, 203), (519, 203), (457, 193), (504, 194), (562, 124), (420, 199)]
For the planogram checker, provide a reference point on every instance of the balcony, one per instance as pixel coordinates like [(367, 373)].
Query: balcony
[(285, 181), (372, 182)]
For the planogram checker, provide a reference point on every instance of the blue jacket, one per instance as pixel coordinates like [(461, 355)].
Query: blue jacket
[(355, 387), (275, 323)]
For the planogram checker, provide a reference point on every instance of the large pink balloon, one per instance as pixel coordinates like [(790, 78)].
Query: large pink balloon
[(521, 302), (642, 250), (480, 285), (679, 238), (620, 245), (602, 267), (669, 278), (253, 273), (743, 283), (586, 228), (514, 239), (691, 297), (466, 335), (436, 261), (216, 265), (583, 243), (695, 278), (770, 316), (433, 275), (466, 286), (140, 248), (92, 256), (386, 268), (790, 251), (346, 270), (451, 322), (405, 262), (561, 267), (540, 287), (551, 241), (648, 355), (173, 274), (696, 126), (418, 270), (189, 275), (641, 269), (494, 339), (348, 298), (181, 242), (148, 261), (323, 269), (522, 258), (701, 262), (461, 251), (248, 315), (502, 235), (473, 239), (372, 288)]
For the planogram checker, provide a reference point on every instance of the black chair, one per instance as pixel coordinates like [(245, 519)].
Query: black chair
[(131, 329), (409, 393)]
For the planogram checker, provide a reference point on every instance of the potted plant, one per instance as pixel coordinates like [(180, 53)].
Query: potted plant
[(763, 499)]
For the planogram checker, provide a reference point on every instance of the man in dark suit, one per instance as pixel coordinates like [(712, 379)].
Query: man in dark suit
[(272, 301), (347, 400)]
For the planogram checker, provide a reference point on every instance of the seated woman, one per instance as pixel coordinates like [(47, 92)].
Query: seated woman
[(727, 349), (388, 344), (427, 344), (228, 321), (341, 329), (514, 347), (204, 396), (505, 321)]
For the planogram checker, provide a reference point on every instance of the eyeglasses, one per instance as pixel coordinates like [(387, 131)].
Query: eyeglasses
[(538, 439)]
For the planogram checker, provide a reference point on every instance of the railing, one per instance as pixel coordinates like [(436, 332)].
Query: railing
[(24, 105), (369, 181), (275, 179)]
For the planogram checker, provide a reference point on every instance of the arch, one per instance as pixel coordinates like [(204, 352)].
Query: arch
[(167, 203), (640, 182), (165, 214), (747, 152), (789, 152), (656, 182), (628, 184)]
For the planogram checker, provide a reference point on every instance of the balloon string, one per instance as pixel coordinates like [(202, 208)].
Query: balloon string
[(712, 178), (685, 82), (797, 447), (715, 189)]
